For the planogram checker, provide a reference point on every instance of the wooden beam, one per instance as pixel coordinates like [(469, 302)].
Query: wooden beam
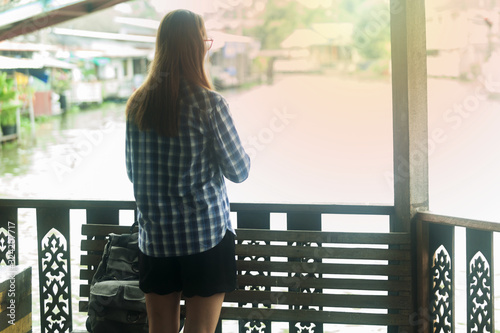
[(409, 82), (53, 17), (72, 13)]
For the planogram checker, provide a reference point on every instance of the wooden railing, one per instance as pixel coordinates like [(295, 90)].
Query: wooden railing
[(54, 239), (440, 251)]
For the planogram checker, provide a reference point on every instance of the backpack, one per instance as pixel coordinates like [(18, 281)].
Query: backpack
[(116, 304)]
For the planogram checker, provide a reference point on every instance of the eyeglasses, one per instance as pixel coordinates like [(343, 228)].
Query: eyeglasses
[(208, 43)]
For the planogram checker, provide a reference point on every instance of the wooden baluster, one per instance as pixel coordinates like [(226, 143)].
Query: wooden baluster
[(422, 285), (441, 278), (8, 229), (255, 219), (305, 221), (480, 295), (54, 269)]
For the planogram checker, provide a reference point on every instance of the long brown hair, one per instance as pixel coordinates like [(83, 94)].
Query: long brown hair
[(180, 53)]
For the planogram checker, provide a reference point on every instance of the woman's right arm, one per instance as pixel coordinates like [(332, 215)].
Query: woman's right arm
[(234, 162)]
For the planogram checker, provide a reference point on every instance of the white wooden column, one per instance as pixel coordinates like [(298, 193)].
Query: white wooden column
[(409, 90)]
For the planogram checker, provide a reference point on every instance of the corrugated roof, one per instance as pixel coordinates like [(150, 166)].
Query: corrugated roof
[(15, 63), (22, 63), (16, 46)]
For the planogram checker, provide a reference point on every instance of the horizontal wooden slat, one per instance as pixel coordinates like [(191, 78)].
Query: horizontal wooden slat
[(314, 208), (323, 283), (90, 259), (84, 290), (83, 306), (93, 245), (319, 299), (271, 281), (331, 317), (86, 274), (69, 204), (281, 235), (323, 236), (320, 252), (297, 282), (354, 269), (104, 229)]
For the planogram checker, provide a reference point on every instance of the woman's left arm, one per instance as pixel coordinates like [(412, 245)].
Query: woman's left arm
[(128, 152)]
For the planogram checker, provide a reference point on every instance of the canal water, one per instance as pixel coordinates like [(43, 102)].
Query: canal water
[(312, 139), (70, 157)]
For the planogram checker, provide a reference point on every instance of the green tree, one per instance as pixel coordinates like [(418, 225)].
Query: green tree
[(372, 35), (347, 10), (281, 17)]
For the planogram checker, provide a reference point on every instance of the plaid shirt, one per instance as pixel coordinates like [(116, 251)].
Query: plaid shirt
[(179, 186)]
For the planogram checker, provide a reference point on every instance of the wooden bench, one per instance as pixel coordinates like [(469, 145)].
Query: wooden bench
[(15, 299), (303, 276)]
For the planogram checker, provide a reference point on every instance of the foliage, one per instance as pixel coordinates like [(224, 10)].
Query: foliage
[(43, 119), (347, 10), (8, 117), (279, 21), (73, 109), (371, 21), (60, 81), (25, 122), (281, 18), (9, 101), (88, 70), (7, 91), (372, 35), (26, 92)]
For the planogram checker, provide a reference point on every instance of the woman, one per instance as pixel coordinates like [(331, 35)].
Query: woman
[(180, 142)]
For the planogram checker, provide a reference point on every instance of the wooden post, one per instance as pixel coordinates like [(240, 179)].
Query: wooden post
[(18, 124), (410, 133), (32, 117), (409, 91)]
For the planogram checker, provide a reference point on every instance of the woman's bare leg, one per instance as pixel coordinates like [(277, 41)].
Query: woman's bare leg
[(202, 313), (163, 312)]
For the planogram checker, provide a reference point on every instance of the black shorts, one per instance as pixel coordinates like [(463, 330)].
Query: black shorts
[(202, 274)]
